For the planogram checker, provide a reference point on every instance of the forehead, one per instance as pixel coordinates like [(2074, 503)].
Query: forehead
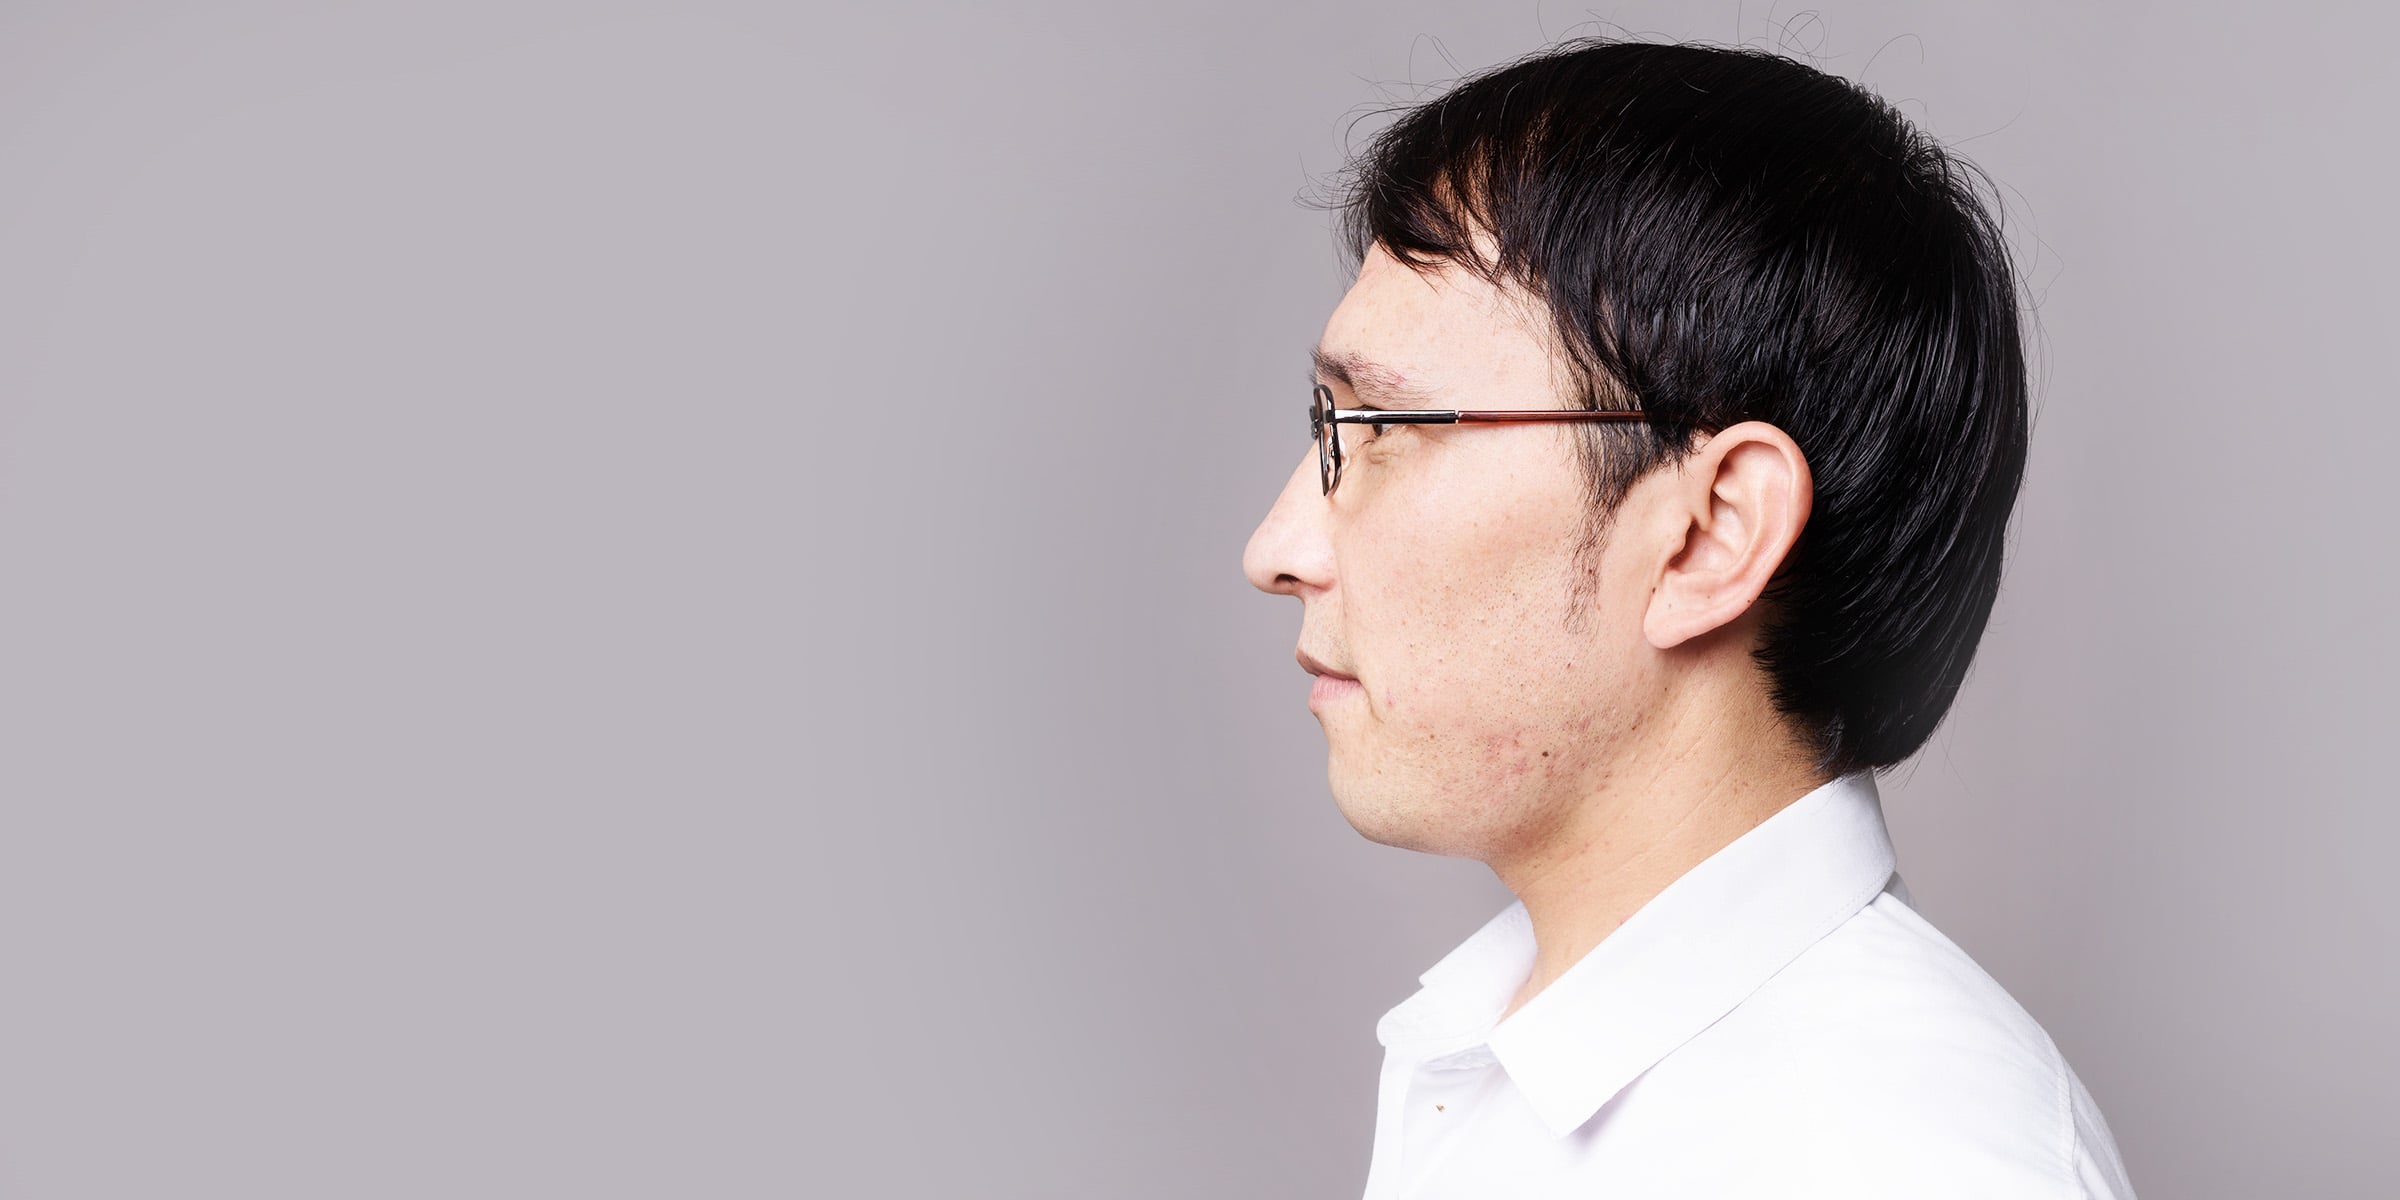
[(1441, 329)]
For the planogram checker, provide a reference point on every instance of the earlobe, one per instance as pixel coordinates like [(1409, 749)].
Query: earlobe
[(1742, 501)]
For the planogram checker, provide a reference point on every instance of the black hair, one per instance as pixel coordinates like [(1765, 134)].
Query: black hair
[(1723, 235)]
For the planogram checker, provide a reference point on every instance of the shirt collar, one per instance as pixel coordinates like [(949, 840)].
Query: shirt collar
[(1688, 957)]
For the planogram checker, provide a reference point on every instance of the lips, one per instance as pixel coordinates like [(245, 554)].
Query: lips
[(1309, 663)]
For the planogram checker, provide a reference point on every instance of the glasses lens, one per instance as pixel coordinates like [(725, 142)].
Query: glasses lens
[(1329, 444)]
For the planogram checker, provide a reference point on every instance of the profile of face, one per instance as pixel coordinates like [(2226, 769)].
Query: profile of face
[(1442, 576)]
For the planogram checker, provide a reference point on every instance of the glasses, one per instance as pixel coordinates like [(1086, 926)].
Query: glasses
[(1323, 417)]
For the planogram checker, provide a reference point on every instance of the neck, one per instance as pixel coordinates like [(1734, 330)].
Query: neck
[(1660, 809)]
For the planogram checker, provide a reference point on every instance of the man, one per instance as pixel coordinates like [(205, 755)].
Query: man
[(1644, 664)]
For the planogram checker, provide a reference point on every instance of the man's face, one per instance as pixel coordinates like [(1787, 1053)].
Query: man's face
[(1441, 573)]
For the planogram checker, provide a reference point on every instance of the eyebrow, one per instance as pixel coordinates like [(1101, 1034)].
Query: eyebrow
[(1378, 385)]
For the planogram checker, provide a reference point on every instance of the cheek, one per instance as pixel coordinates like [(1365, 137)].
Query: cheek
[(1460, 623), (1474, 660)]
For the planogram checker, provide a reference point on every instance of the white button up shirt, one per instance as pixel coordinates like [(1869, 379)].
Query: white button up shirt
[(1776, 1023)]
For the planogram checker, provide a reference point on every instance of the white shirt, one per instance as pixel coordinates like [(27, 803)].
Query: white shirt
[(1776, 1023)]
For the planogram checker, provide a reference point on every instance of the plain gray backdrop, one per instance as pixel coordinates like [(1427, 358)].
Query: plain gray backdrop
[(617, 599)]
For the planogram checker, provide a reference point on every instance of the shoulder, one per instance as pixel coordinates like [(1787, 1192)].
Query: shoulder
[(1885, 1060), (1886, 979)]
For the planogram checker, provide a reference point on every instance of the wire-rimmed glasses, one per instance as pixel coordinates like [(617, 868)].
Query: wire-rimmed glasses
[(1323, 417)]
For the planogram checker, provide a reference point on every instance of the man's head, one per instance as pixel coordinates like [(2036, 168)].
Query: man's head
[(1728, 241)]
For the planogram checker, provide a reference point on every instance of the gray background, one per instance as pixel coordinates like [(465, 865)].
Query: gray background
[(638, 599)]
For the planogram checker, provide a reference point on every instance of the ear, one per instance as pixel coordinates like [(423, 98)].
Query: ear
[(1741, 501)]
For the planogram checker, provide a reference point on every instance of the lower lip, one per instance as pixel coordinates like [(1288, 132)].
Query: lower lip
[(1329, 688)]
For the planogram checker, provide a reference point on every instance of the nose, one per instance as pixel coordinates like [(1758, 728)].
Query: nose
[(1288, 554)]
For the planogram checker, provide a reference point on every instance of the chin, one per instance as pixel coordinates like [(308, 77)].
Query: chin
[(1391, 820)]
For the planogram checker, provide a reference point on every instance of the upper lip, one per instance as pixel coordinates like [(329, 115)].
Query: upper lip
[(1309, 664)]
